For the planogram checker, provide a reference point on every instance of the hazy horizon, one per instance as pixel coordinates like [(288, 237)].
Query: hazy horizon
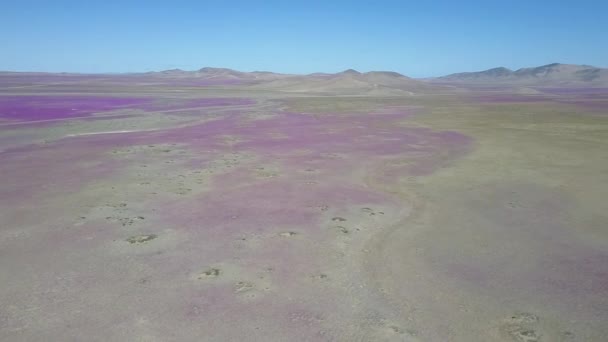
[(272, 71)]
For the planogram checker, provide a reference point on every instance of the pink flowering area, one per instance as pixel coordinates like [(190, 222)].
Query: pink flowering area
[(34, 108)]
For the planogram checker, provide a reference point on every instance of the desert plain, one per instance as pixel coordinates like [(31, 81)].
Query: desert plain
[(226, 206)]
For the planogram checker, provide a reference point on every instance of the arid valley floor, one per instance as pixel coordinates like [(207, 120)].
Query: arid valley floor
[(166, 208)]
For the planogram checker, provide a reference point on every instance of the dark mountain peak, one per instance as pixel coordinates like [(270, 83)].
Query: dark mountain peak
[(552, 65), (544, 70), (349, 72), (173, 71), (493, 73), (500, 71)]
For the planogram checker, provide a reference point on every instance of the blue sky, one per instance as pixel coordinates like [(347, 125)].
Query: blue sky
[(416, 38)]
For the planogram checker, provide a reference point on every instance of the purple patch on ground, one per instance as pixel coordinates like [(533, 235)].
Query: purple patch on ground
[(36, 108), (33, 108), (171, 104), (237, 224), (109, 117)]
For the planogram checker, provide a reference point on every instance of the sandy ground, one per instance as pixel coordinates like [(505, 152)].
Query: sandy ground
[(443, 218)]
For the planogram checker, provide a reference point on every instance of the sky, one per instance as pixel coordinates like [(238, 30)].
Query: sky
[(416, 38)]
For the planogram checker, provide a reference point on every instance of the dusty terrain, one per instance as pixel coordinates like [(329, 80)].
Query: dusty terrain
[(162, 208)]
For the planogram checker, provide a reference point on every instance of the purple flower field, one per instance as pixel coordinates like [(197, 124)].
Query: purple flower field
[(33, 108), (37, 108), (319, 218)]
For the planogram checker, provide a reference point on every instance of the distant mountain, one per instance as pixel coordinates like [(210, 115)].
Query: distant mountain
[(350, 82), (351, 72), (491, 73), (209, 73), (221, 73), (347, 82), (550, 74)]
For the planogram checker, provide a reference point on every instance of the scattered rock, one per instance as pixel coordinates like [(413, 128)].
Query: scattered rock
[(412, 332), (396, 329), (343, 229), (321, 276), (210, 273), (520, 327), (243, 286), (524, 318), (568, 335), (125, 221), (143, 281), (525, 335), (141, 238)]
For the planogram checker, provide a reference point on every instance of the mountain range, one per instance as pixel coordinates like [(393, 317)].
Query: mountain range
[(550, 74), (348, 82), (389, 82)]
